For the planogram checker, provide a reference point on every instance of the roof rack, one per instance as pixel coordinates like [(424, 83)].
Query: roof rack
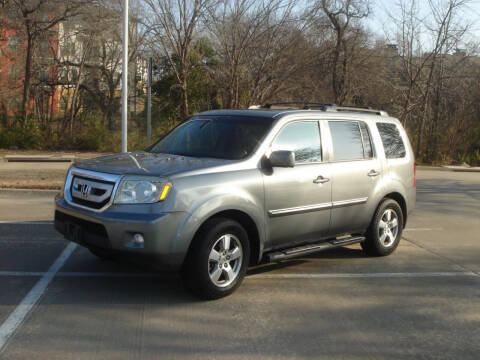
[(319, 106), (359, 109), (297, 105)]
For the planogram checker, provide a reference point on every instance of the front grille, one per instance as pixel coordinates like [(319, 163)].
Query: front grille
[(92, 193), (90, 204)]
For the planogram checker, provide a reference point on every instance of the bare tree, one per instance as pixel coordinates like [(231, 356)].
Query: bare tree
[(247, 33), (37, 17), (343, 14), (445, 32), (425, 41), (174, 24), (98, 63), (409, 28)]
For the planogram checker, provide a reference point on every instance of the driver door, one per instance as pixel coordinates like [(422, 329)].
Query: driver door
[(298, 199)]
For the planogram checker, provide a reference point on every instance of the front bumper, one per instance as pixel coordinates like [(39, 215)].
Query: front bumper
[(115, 227)]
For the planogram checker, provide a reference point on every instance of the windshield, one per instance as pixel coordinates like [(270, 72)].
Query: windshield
[(225, 137)]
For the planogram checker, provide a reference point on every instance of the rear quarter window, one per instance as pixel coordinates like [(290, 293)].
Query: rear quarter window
[(392, 141)]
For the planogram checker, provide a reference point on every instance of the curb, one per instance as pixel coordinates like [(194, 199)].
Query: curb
[(39, 158), (463, 169), (5, 189), (449, 168), (432, 168)]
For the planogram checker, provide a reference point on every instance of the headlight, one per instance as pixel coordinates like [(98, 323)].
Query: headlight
[(141, 192)]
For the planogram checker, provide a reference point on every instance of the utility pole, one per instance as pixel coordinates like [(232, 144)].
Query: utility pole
[(125, 76), (149, 102)]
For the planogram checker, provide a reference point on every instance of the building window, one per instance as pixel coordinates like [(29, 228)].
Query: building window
[(13, 73), (13, 42), (12, 13)]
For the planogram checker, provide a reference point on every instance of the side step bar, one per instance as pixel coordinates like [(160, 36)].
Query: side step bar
[(312, 248)]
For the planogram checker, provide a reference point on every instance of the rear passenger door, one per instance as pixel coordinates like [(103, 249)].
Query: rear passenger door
[(356, 174)]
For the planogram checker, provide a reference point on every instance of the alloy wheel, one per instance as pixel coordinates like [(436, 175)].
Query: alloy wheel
[(225, 260), (388, 228)]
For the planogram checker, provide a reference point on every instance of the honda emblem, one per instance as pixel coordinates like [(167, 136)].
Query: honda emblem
[(84, 190)]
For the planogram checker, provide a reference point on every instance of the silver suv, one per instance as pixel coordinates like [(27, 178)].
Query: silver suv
[(231, 188)]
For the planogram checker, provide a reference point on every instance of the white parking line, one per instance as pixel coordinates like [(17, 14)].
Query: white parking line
[(31, 299), (364, 275), (22, 273), (26, 222), (113, 274), (84, 274), (422, 229), (255, 276)]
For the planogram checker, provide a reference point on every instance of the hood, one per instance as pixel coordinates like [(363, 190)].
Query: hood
[(151, 164)]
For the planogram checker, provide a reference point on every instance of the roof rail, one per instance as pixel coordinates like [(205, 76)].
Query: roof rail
[(359, 109), (319, 106), (305, 105)]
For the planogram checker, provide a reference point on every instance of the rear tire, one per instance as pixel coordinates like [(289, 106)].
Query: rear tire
[(385, 231), (217, 260)]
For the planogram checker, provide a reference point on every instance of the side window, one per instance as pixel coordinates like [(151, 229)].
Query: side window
[(301, 137), (367, 143), (347, 140), (392, 141)]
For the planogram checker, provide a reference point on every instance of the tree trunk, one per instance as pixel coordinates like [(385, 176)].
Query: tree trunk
[(184, 109), (28, 76), (336, 57)]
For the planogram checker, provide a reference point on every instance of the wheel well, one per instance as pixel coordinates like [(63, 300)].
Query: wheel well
[(248, 224), (401, 201)]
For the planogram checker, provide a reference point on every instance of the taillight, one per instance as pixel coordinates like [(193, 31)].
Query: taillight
[(414, 174)]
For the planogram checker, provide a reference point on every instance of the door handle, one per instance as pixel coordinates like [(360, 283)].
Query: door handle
[(320, 180), (373, 173)]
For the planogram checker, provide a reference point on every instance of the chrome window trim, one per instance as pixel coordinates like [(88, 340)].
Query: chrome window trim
[(91, 175), (351, 160), (316, 207)]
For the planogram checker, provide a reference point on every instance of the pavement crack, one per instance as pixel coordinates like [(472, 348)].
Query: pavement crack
[(441, 256)]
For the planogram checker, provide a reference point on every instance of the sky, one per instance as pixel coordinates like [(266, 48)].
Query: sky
[(379, 21)]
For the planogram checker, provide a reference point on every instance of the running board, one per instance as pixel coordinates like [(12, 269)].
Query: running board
[(312, 248)]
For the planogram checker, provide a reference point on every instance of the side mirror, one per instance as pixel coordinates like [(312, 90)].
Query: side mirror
[(282, 158)]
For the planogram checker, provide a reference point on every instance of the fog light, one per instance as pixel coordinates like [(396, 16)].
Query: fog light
[(137, 242)]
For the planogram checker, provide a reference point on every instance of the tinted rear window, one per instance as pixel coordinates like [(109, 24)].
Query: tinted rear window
[(392, 141), (225, 137)]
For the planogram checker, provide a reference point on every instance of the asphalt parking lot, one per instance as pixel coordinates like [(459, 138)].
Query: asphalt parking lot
[(57, 301)]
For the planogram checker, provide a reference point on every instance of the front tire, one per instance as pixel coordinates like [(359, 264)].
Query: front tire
[(385, 231), (217, 260)]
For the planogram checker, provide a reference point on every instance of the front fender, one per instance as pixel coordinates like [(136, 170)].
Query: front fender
[(214, 205)]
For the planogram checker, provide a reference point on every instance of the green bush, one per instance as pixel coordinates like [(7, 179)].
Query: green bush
[(26, 135)]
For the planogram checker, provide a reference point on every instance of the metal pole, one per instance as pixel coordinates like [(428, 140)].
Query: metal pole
[(149, 103), (125, 76)]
